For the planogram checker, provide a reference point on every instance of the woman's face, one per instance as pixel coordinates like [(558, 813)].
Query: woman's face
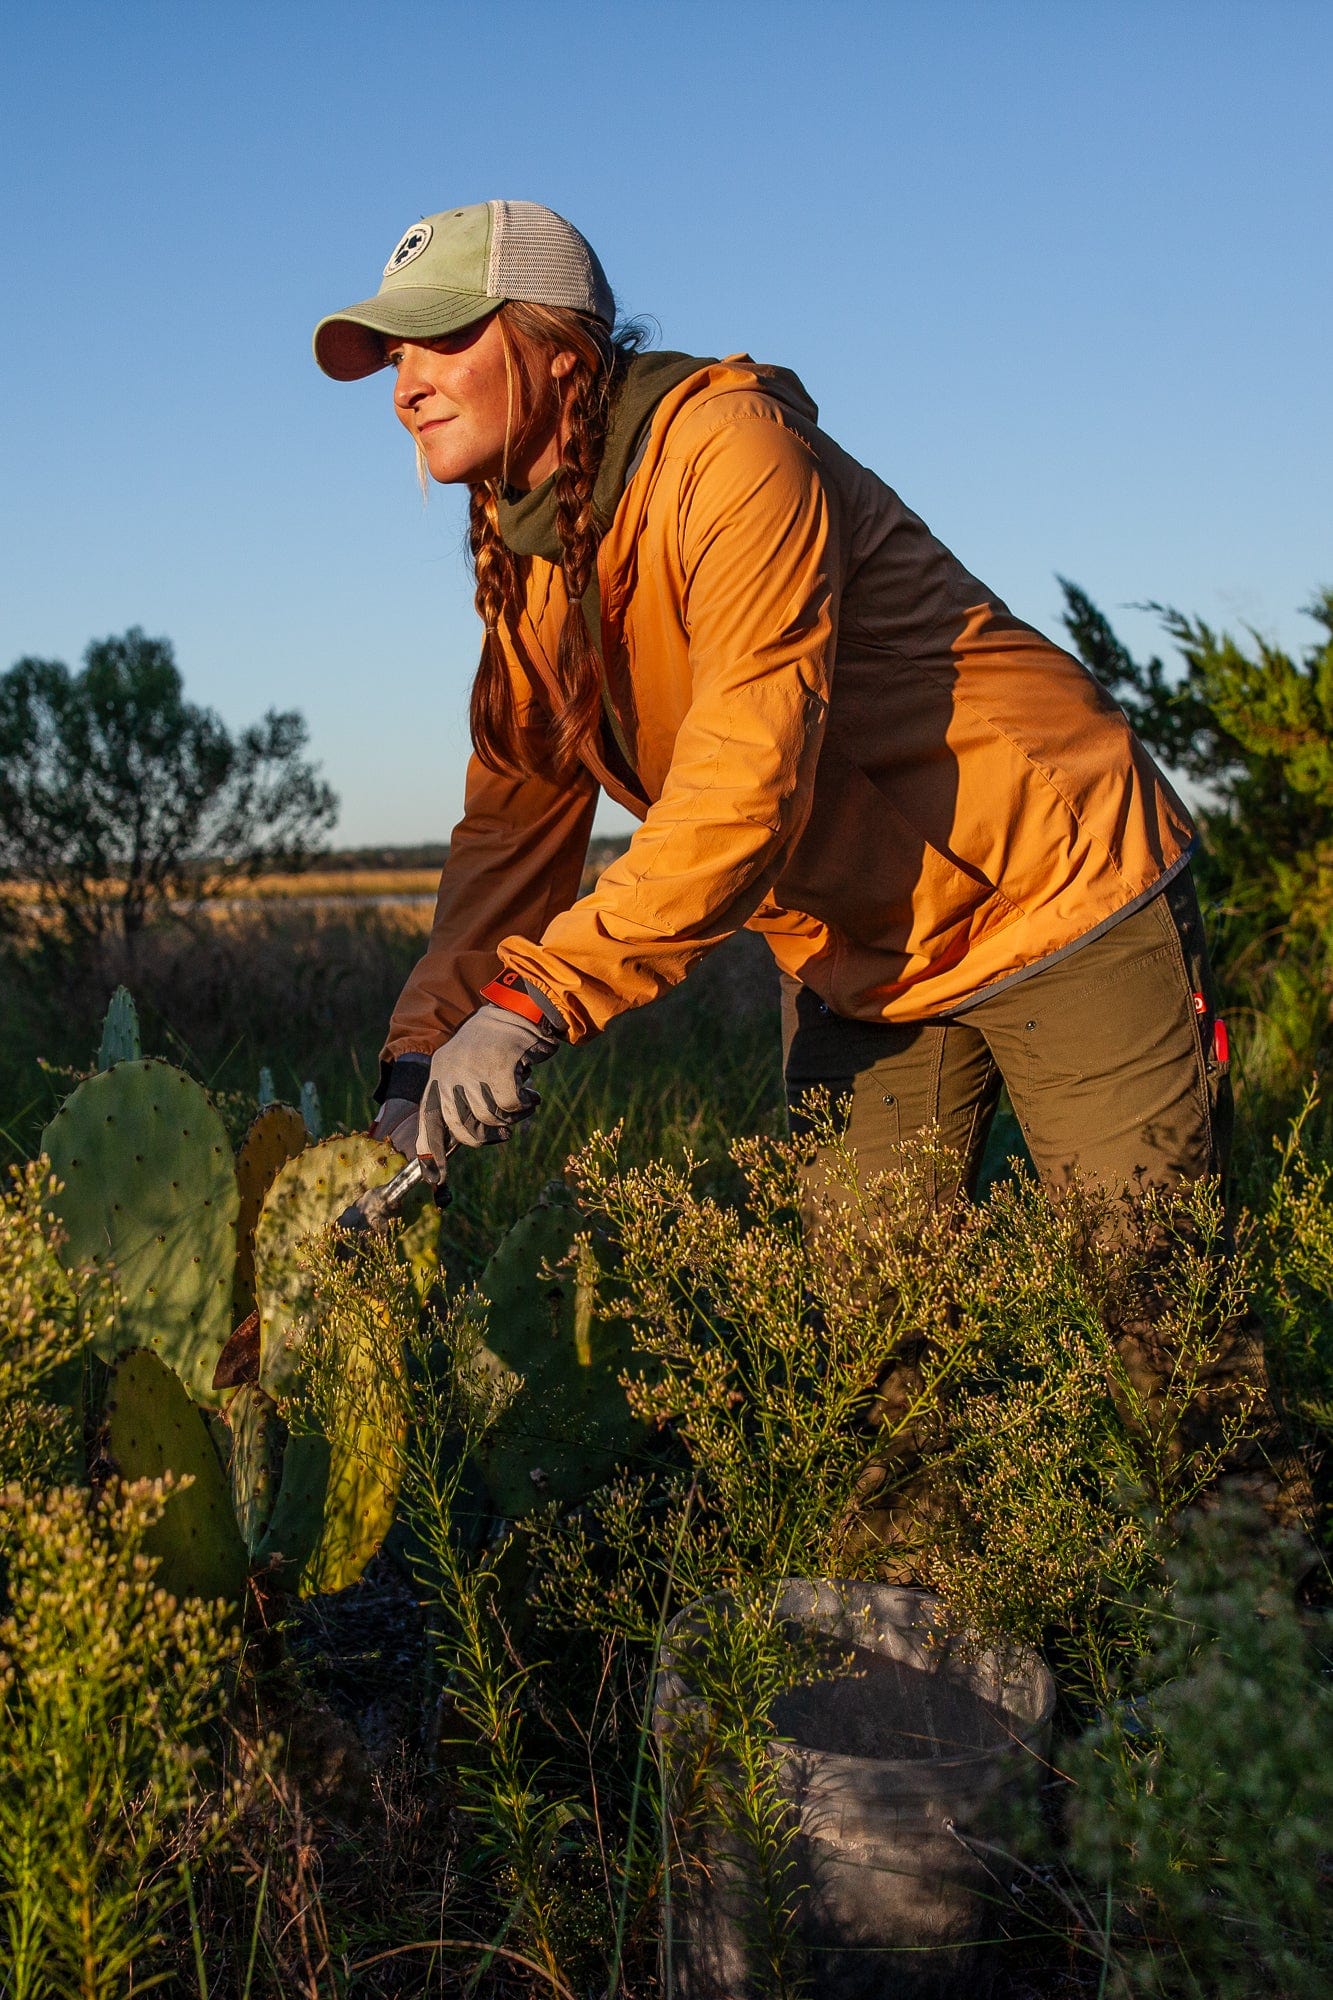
[(453, 397)]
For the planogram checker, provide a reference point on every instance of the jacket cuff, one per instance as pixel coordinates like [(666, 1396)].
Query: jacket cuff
[(402, 1076), (520, 996)]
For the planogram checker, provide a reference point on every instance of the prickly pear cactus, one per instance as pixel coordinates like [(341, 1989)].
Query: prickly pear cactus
[(569, 1424), (149, 1188), (293, 1532), (277, 1135), (267, 1094), (258, 1439), (364, 1475), (154, 1428), (420, 1244), (120, 1031), (311, 1111), (310, 1192)]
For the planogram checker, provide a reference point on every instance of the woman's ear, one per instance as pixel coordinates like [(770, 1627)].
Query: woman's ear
[(562, 364)]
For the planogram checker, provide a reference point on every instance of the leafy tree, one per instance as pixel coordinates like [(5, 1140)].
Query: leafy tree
[(118, 795), (1253, 728)]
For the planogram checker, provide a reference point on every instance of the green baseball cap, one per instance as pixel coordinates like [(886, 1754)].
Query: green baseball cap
[(453, 268)]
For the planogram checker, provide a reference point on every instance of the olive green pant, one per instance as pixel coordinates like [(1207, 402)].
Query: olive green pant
[(1108, 1054)]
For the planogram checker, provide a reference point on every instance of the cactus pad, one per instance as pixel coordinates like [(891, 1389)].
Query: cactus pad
[(569, 1424), (120, 1031), (277, 1135), (257, 1437), (293, 1532), (149, 1188), (364, 1476), (310, 1192), (153, 1428), (311, 1112)]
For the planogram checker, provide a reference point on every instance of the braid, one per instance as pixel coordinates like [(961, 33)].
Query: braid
[(578, 661), (493, 715), (584, 414)]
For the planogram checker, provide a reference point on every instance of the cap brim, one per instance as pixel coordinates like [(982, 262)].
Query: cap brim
[(349, 344)]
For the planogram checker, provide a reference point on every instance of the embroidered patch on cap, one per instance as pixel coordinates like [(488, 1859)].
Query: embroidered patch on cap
[(410, 244)]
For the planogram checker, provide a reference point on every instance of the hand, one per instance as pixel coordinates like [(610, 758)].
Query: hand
[(478, 1088), (397, 1121)]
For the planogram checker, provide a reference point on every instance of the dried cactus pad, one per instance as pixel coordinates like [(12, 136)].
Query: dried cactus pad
[(569, 1424), (153, 1428), (277, 1135), (310, 1192), (149, 1188)]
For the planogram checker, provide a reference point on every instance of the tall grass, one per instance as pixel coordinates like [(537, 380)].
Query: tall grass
[(895, 1392)]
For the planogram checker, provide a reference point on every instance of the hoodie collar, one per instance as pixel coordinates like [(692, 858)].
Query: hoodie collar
[(527, 520)]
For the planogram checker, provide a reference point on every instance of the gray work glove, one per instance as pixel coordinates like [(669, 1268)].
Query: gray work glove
[(397, 1121), (478, 1088)]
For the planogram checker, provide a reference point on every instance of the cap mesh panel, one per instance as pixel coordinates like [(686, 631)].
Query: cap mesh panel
[(537, 255)]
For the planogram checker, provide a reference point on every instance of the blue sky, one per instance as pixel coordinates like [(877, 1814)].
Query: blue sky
[(1060, 272)]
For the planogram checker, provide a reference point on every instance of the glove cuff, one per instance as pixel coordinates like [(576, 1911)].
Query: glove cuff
[(402, 1076), (511, 990)]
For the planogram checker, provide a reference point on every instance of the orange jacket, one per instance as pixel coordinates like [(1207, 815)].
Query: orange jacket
[(849, 744)]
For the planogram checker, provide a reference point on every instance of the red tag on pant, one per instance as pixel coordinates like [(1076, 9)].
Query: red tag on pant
[(1221, 1042)]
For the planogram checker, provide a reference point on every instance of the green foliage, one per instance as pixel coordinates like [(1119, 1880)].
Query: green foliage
[(1254, 728), (120, 1031), (1290, 1241), (1090, 1414), (344, 1373), (763, 1342), (521, 1827), (106, 1685), (565, 1422), (155, 1432), (48, 1316), (149, 1189), (117, 794), (1207, 1803)]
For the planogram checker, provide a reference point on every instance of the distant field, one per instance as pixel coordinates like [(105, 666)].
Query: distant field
[(362, 875), (363, 884)]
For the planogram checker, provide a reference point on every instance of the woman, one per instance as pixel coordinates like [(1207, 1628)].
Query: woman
[(967, 867)]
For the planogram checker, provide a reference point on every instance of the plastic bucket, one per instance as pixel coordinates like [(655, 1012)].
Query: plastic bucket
[(889, 1765)]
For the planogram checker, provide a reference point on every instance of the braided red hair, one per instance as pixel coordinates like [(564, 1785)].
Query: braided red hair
[(581, 404)]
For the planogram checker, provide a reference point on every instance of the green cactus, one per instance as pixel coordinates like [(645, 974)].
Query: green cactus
[(420, 1244), (153, 1428), (311, 1112), (120, 1031), (297, 1521), (256, 1453), (277, 1135), (565, 1429), (310, 1192), (336, 1501), (364, 1475), (149, 1188)]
